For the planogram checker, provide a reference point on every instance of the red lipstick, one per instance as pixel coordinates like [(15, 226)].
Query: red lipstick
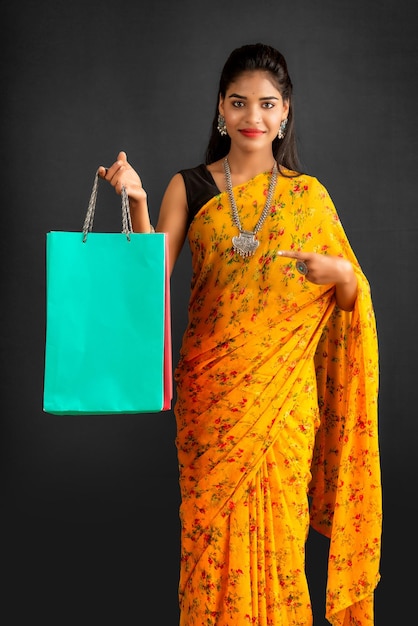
[(251, 132)]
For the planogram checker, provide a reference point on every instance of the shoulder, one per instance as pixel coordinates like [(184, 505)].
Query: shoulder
[(191, 171), (298, 177), (198, 180), (200, 187), (176, 185), (303, 182), (198, 174)]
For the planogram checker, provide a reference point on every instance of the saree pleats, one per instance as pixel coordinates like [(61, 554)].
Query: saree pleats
[(253, 387)]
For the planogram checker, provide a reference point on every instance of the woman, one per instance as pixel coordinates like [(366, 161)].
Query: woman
[(277, 377)]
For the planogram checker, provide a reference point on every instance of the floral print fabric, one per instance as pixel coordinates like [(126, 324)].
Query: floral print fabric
[(276, 401)]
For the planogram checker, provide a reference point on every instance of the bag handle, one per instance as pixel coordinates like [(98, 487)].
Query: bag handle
[(126, 215)]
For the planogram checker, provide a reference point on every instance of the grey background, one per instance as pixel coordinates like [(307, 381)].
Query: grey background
[(90, 504)]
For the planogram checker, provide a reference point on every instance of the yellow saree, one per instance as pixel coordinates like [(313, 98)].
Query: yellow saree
[(276, 401)]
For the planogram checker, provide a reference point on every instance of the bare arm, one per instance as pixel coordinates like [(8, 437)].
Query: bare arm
[(346, 287), (173, 217)]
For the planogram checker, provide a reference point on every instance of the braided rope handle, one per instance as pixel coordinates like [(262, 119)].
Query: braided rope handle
[(126, 215)]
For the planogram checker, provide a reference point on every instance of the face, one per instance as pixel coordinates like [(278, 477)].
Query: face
[(253, 109)]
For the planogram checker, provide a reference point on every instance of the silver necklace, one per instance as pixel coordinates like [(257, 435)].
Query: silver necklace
[(245, 244)]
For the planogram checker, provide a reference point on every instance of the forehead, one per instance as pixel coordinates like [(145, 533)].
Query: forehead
[(257, 82)]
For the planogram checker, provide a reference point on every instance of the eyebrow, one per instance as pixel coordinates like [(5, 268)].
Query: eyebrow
[(236, 95)]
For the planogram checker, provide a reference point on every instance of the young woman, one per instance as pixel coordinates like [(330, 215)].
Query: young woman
[(277, 380)]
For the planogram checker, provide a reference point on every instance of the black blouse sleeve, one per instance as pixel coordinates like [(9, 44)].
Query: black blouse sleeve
[(200, 188)]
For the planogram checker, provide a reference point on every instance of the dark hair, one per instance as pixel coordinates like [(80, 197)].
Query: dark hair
[(250, 58)]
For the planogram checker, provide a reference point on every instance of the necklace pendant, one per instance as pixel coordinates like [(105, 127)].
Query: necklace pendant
[(245, 244)]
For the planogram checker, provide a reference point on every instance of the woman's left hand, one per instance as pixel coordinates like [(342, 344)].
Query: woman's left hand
[(321, 269)]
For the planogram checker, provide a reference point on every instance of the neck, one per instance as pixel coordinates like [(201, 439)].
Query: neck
[(248, 165)]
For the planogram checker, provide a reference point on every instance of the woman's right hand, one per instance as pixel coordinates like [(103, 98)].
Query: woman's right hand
[(122, 174)]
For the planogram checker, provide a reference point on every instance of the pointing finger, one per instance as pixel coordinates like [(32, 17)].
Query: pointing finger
[(291, 254), (301, 259)]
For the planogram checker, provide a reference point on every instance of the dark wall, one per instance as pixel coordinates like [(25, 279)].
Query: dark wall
[(90, 504)]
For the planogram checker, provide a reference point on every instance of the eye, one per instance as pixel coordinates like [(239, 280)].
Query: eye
[(268, 105), (237, 104)]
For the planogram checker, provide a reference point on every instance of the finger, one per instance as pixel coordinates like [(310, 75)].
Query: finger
[(122, 156), (294, 254), (302, 267), (114, 171), (102, 171), (290, 254), (118, 184), (109, 172), (300, 258)]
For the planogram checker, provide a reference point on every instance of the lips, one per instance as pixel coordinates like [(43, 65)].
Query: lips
[(251, 132)]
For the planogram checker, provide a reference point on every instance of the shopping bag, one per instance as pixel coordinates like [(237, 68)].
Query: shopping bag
[(108, 326)]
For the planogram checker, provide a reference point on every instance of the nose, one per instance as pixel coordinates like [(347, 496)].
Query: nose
[(253, 114)]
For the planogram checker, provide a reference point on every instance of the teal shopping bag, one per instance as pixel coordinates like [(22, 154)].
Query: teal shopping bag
[(108, 339)]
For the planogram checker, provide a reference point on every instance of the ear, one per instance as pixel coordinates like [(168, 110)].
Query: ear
[(286, 107), (221, 105)]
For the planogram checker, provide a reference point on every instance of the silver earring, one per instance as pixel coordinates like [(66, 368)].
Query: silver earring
[(222, 125), (282, 129)]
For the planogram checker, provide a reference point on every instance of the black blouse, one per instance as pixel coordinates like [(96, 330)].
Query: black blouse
[(200, 188)]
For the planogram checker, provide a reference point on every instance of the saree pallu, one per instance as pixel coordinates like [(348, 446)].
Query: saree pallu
[(276, 403)]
